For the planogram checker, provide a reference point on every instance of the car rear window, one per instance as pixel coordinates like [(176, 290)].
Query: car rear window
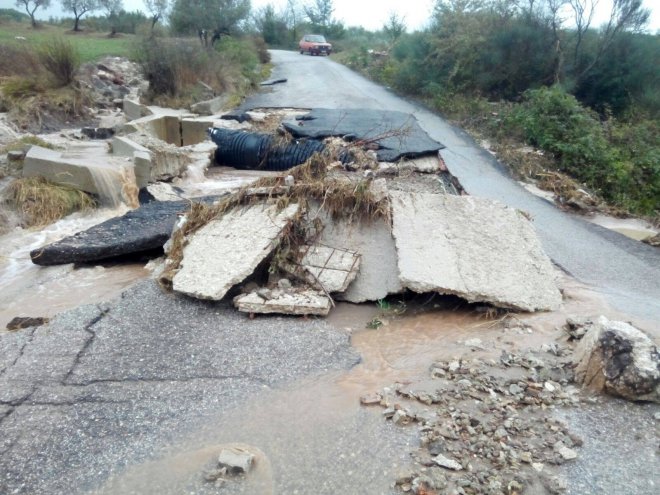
[(316, 38)]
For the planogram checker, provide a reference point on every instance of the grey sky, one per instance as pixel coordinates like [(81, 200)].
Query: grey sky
[(371, 14)]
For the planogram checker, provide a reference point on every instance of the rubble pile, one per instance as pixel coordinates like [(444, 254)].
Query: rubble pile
[(483, 425)]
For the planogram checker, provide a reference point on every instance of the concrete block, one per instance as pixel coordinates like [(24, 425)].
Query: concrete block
[(210, 107), (194, 131), (124, 146), (477, 249), (134, 109), (112, 182), (226, 251), (294, 302), (142, 163)]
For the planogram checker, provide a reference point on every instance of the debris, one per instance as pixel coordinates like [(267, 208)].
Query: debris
[(327, 268), (272, 82), (227, 250), (619, 359), (236, 460), (212, 106), (566, 453), (97, 132), (291, 302), (474, 248), (21, 322), (371, 399)]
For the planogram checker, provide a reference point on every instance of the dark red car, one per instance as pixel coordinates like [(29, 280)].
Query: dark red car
[(314, 44)]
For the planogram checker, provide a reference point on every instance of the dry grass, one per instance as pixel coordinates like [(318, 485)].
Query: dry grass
[(41, 202), (18, 60), (25, 142), (339, 197)]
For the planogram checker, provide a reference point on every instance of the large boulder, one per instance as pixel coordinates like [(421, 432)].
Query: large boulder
[(619, 359)]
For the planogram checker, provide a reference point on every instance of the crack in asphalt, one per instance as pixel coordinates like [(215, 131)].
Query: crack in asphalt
[(239, 376), (21, 351), (88, 342)]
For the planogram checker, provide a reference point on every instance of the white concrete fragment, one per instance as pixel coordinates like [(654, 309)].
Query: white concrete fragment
[(134, 109), (330, 268), (300, 302), (226, 251), (475, 248), (378, 276), (210, 107)]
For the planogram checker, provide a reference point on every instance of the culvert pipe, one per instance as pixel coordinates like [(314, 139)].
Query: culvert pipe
[(251, 150)]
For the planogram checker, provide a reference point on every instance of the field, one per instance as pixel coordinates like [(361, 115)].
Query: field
[(91, 45)]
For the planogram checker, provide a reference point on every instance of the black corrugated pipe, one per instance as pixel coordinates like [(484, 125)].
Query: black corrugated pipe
[(249, 150)]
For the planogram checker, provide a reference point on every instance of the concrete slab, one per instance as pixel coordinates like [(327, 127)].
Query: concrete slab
[(135, 110), (378, 276), (110, 179), (226, 251), (125, 146), (193, 131), (325, 267), (212, 106), (475, 248), (294, 302)]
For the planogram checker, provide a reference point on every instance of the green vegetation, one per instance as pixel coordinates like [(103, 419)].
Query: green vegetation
[(514, 74)]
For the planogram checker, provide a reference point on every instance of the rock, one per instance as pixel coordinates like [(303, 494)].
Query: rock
[(16, 155), (653, 240), (227, 250), (212, 106), (97, 132), (160, 191), (371, 399), (293, 302), (474, 248), (566, 453), (141, 231), (236, 460), (20, 322), (215, 474), (447, 463), (324, 267), (619, 359), (474, 343)]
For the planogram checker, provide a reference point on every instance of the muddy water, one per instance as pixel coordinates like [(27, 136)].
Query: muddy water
[(314, 437), (31, 290)]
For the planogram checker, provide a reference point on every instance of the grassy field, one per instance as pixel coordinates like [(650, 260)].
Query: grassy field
[(91, 45)]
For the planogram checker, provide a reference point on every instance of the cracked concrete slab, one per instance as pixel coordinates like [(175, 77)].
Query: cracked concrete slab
[(474, 248), (298, 302), (226, 251), (157, 366)]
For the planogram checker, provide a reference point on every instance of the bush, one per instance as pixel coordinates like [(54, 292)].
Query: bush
[(61, 59), (18, 61)]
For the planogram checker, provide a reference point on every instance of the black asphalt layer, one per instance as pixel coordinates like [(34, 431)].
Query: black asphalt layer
[(394, 134)]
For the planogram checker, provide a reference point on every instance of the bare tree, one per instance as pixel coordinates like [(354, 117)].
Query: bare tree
[(625, 15), (79, 8), (394, 27), (292, 15), (583, 14), (157, 9), (31, 7)]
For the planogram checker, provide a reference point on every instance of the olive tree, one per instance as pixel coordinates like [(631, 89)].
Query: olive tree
[(157, 10), (31, 7), (219, 16), (79, 8)]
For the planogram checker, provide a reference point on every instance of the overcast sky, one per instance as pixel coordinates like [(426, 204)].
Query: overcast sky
[(371, 14)]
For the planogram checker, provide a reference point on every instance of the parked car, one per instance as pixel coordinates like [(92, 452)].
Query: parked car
[(315, 44)]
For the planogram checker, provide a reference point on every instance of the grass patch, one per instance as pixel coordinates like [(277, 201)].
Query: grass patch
[(41, 202), (61, 59), (90, 45)]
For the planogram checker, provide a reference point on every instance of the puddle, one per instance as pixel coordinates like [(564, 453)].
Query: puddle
[(634, 228)]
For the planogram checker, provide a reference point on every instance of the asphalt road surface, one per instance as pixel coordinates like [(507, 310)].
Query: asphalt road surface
[(627, 272), (137, 395)]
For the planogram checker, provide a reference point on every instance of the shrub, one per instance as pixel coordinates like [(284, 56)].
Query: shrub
[(61, 59), (18, 61)]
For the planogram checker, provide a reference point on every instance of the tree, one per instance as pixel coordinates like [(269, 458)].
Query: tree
[(111, 8), (320, 13), (31, 7), (271, 25), (219, 16), (79, 8), (292, 15), (394, 27), (157, 10)]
